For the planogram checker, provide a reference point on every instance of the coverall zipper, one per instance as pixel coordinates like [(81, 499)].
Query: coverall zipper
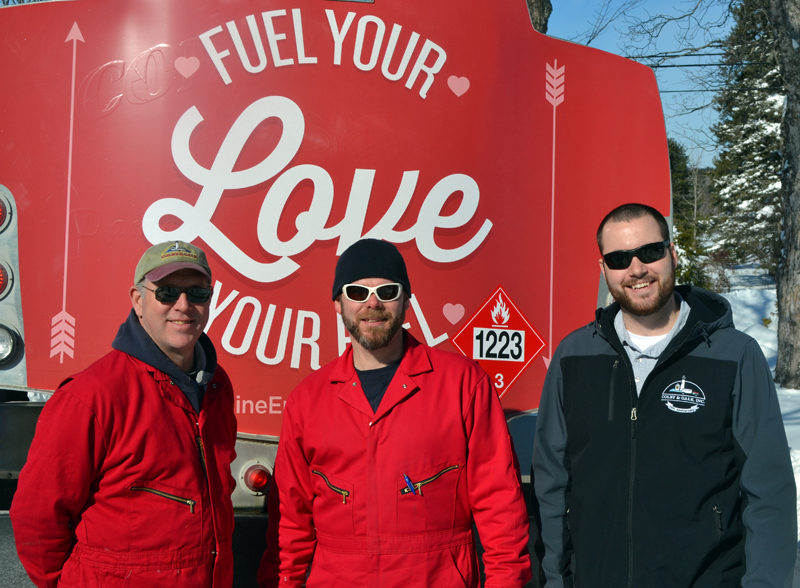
[(201, 448)]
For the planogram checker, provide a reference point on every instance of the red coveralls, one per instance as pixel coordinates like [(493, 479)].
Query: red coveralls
[(115, 490), (343, 498)]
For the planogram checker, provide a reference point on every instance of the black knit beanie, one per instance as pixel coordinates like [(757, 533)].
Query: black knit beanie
[(370, 258)]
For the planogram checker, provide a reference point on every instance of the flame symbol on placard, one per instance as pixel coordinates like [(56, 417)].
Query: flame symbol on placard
[(500, 313)]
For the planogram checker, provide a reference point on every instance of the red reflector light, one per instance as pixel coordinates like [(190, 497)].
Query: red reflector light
[(256, 478), (4, 281)]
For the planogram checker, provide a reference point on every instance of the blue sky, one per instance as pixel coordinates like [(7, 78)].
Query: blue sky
[(573, 19)]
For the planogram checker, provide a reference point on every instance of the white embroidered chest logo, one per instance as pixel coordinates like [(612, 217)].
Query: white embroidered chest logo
[(683, 396)]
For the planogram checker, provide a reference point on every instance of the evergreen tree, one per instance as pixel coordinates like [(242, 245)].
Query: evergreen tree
[(747, 172), (691, 210), (685, 218)]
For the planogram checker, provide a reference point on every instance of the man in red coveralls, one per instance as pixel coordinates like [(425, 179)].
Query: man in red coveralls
[(128, 479), (389, 454)]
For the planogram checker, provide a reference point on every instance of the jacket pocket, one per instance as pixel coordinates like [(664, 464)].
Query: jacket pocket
[(427, 500), (416, 487), (344, 493), (156, 511), (333, 503), (180, 499)]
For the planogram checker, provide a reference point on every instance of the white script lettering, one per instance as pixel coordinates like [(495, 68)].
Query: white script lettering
[(311, 225)]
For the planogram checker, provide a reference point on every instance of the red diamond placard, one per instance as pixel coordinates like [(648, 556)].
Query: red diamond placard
[(500, 339)]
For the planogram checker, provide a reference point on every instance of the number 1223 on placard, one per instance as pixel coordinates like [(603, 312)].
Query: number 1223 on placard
[(498, 344)]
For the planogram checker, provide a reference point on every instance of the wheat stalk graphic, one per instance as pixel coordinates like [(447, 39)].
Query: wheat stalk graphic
[(554, 83)]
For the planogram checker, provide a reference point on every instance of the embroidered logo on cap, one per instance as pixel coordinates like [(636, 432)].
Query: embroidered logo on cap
[(177, 250), (683, 396)]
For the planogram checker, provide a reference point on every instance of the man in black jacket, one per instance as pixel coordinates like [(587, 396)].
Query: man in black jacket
[(660, 457)]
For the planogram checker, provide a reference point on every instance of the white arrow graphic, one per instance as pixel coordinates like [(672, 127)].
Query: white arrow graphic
[(554, 94), (62, 333)]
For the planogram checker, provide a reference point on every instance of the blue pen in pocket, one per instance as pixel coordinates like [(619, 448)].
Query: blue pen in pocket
[(409, 484)]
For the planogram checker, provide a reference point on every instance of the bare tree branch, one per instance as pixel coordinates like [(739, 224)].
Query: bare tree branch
[(606, 15)]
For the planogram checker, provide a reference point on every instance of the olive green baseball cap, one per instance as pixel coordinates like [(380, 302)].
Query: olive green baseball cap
[(162, 259)]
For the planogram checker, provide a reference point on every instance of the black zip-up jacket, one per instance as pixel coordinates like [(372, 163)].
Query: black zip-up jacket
[(688, 484)]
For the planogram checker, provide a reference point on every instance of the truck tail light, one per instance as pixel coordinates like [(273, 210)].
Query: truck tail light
[(6, 280), (256, 477), (9, 345), (4, 214)]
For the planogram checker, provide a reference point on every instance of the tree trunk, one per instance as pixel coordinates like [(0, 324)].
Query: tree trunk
[(540, 13), (785, 15)]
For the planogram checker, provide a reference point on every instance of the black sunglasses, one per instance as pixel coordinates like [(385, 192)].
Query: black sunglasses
[(170, 294), (384, 292), (646, 253)]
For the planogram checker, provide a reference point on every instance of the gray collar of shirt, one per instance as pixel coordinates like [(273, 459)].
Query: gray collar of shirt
[(644, 360)]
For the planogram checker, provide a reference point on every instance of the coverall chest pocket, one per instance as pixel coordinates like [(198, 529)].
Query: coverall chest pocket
[(427, 499), (156, 510), (333, 503)]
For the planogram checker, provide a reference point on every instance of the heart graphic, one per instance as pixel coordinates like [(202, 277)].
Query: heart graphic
[(458, 85), (186, 66), (453, 312)]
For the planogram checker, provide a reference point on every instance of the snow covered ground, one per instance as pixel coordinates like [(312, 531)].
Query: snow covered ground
[(752, 297)]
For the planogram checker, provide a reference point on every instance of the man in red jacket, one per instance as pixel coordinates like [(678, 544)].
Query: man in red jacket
[(390, 453), (128, 479)]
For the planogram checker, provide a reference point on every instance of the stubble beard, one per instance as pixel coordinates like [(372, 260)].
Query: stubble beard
[(375, 338)]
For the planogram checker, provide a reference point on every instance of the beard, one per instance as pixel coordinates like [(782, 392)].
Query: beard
[(639, 307), (372, 338)]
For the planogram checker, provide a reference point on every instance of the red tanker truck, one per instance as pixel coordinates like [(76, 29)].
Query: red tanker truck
[(276, 133)]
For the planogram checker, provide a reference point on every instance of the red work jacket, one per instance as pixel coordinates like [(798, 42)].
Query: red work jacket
[(388, 498), (115, 490)]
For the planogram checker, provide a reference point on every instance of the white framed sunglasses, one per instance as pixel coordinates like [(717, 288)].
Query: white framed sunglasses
[(384, 292)]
